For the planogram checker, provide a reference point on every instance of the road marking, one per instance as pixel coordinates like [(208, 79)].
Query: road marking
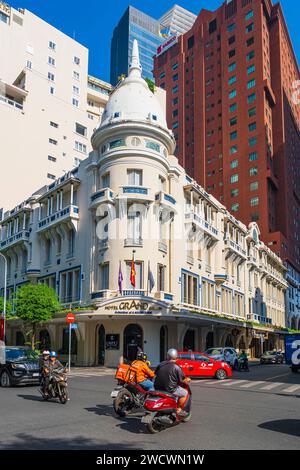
[(272, 385), (291, 389), (277, 376), (233, 382), (252, 384), (202, 381)]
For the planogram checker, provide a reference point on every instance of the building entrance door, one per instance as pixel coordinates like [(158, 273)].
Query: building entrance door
[(101, 345), (133, 341)]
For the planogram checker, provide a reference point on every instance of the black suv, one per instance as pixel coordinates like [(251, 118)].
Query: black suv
[(21, 366)]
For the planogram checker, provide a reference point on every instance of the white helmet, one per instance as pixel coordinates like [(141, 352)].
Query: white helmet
[(172, 354), (46, 353)]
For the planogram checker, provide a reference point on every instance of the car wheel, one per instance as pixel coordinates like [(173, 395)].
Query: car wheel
[(5, 380), (221, 374)]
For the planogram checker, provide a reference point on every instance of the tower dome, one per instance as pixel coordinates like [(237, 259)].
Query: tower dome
[(132, 100)]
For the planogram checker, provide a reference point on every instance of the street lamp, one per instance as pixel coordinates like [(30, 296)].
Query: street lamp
[(4, 297)]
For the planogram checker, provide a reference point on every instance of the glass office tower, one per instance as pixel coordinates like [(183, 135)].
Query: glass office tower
[(134, 24)]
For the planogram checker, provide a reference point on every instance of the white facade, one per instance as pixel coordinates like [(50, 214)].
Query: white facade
[(49, 106), (216, 283)]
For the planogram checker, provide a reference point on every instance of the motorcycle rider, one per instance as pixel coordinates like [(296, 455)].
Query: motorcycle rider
[(168, 376), (44, 370), (243, 358), (142, 372)]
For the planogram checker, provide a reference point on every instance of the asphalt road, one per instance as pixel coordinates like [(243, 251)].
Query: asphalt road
[(256, 410)]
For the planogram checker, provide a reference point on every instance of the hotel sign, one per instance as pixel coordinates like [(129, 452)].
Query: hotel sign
[(164, 47), (133, 307)]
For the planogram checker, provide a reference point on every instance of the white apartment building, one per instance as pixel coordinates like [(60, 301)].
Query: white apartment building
[(215, 282), (49, 106)]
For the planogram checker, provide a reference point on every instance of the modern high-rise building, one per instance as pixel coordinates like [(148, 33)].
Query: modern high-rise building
[(229, 84), (49, 105), (149, 32), (177, 20)]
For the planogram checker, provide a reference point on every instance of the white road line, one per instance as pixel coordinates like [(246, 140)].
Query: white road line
[(291, 389), (233, 382), (252, 384), (272, 385), (202, 381)]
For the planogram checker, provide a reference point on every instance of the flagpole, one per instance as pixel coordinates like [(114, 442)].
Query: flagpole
[(148, 278)]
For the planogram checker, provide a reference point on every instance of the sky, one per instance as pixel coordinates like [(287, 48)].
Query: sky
[(92, 22)]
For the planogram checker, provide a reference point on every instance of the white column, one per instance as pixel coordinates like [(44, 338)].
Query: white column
[(61, 200), (57, 201), (48, 206), (72, 195), (24, 220)]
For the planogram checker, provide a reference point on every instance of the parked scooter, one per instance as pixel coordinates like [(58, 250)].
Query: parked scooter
[(161, 410)]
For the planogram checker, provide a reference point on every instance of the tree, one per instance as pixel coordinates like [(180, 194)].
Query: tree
[(8, 306), (35, 303), (151, 84)]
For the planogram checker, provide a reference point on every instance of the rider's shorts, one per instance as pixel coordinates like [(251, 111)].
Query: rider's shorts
[(180, 392)]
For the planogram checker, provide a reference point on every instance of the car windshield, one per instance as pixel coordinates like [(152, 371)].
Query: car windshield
[(214, 351), (20, 354), (270, 353)]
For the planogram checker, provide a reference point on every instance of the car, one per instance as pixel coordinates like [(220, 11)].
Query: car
[(272, 357), (197, 364), (21, 367), (219, 354)]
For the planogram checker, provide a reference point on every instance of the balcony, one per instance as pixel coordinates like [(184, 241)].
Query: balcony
[(259, 319), (136, 193), (21, 236), (165, 200), (133, 242), (103, 244), (134, 293), (235, 248), (252, 261), (102, 196), (164, 296), (11, 102), (70, 212), (190, 260), (163, 247), (202, 224)]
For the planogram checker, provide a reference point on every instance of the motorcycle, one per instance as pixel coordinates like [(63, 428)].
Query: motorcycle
[(161, 410), (58, 386), (243, 365), (128, 398)]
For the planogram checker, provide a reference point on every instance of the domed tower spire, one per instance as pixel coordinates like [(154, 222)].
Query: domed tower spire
[(135, 69)]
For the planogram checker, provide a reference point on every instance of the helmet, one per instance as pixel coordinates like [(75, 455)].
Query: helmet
[(172, 354), (46, 353), (53, 354), (142, 356)]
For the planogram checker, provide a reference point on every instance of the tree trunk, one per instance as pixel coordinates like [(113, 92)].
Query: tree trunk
[(33, 337)]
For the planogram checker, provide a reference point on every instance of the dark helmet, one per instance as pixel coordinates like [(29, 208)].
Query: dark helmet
[(142, 356)]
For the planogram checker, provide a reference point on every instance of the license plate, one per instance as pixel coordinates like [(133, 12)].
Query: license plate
[(114, 393), (35, 374)]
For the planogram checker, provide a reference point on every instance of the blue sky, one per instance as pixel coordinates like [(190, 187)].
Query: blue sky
[(93, 26)]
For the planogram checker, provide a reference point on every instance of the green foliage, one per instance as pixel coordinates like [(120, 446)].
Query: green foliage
[(36, 303), (8, 306), (150, 84)]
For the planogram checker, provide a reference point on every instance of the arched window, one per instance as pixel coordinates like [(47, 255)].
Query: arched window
[(163, 343)]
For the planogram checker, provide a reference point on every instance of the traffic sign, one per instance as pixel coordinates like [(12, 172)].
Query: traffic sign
[(74, 326), (71, 318)]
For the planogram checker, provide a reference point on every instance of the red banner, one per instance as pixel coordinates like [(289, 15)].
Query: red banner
[(1, 329)]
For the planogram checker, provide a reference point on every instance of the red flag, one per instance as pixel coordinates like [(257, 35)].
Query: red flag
[(132, 273)]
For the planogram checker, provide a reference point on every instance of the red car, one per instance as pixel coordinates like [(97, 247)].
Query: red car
[(196, 364)]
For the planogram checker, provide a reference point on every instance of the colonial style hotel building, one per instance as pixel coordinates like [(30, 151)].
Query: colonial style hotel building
[(202, 278)]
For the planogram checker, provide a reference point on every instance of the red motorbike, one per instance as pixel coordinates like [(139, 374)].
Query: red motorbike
[(161, 407)]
